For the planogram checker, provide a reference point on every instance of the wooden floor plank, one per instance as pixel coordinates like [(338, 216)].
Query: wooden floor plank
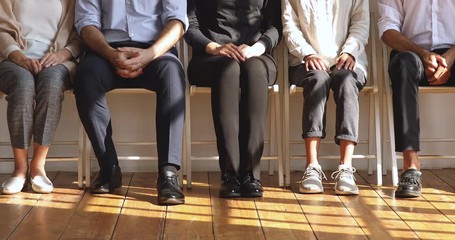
[(141, 216), (280, 212), (192, 220), (52, 212), (15, 208), (373, 214), (96, 216), (439, 194), (419, 214), (233, 218), (326, 214)]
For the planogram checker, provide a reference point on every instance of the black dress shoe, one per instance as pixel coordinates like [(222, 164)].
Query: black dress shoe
[(230, 187), (410, 184), (169, 192), (251, 187), (107, 181)]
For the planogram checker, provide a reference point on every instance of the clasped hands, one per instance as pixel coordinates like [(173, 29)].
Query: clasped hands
[(437, 68), (129, 62), (238, 53)]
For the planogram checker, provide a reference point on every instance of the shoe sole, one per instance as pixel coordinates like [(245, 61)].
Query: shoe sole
[(339, 192), (303, 190), (229, 195), (407, 194), (251, 195), (171, 201)]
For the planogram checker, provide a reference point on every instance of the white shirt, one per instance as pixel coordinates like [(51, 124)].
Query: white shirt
[(326, 28), (427, 23), (39, 20)]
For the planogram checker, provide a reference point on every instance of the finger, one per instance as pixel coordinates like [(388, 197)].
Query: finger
[(340, 64), (442, 62), (238, 53), (45, 59), (311, 65), (322, 65), (433, 62)]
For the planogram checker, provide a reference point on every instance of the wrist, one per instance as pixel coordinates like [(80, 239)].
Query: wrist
[(16, 56), (211, 48)]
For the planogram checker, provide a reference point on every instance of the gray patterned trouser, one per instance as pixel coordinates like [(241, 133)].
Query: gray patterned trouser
[(34, 102)]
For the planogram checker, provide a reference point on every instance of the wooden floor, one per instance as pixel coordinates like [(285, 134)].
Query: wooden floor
[(132, 213)]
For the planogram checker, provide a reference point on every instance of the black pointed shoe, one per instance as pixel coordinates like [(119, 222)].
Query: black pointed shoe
[(251, 187), (107, 181), (410, 184), (169, 192), (230, 188)]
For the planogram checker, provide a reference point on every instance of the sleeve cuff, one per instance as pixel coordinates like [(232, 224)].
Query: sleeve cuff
[(11, 49)]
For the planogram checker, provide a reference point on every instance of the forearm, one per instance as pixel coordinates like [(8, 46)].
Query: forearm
[(95, 41), (450, 56), (399, 42), (170, 35)]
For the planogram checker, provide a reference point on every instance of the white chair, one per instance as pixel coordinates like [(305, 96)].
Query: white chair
[(79, 157), (374, 132), (274, 136), (389, 109)]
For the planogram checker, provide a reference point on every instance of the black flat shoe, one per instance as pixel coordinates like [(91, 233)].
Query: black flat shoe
[(410, 184), (169, 192), (230, 188), (251, 187), (107, 183)]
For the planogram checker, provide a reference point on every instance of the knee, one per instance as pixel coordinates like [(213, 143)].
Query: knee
[(343, 78), (229, 66), (405, 61), (171, 74), (23, 84), (317, 78)]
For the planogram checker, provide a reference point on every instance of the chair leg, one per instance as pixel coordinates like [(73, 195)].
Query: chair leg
[(88, 160), (188, 139), (272, 135), (393, 155), (370, 135), (377, 141), (279, 137), (80, 162), (286, 142)]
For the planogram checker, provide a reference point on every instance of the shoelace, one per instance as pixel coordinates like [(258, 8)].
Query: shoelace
[(230, 178), (409, 180), (312, 170), (346, 172)]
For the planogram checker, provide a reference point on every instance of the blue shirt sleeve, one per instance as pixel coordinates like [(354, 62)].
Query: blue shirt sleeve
[(175, 9), (87, 13)]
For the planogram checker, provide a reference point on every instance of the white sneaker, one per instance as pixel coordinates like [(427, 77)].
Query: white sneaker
[(345, 181), (312, 179), (42, 184), (13, 185)]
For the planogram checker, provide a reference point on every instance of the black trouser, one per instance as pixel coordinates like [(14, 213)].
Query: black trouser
[(406, 72), (96, 76), (239, 107)]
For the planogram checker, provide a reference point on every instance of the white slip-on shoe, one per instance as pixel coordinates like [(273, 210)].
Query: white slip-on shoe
[(312, 179), (345, 181), (41, 184), (13, 185)]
